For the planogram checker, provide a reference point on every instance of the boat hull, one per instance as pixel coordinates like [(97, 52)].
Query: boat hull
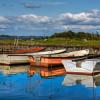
[(46, 61), (85, 67), (19, 57), (32, 50)]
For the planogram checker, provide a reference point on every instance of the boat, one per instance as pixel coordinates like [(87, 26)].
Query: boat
[(50, 52), (21, 50), (55, 59), (29, 50), (45, 61), (10, 59), (82, 67), (78, 53), (16, 57)]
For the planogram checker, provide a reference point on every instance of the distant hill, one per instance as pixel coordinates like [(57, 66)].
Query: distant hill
[(77, 35), (67, 34), (4, 37)]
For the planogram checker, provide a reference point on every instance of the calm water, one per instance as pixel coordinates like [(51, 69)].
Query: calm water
[(26, 83)]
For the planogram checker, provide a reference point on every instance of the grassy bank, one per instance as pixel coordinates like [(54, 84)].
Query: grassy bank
[(55, 41)]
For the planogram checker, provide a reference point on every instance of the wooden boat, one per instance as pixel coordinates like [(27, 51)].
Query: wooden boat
[(82, 67), (50, 52), (10, 59), (31, 50), (9, 50), (78, 53), (46, 61), (54, 59)]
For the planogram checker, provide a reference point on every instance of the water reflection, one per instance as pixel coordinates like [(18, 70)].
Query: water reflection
[(70, 80), (8, 70), (47, 72), (36, 83)]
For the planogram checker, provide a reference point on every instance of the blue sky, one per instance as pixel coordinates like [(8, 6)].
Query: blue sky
[(39, 17)]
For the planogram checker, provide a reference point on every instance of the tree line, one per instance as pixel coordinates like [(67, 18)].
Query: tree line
[(77, 35)]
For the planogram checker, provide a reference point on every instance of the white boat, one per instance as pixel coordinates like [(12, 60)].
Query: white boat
[(10, 59), (78, 53), (87, 66)]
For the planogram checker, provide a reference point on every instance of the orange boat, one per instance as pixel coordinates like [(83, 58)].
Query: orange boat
[(55, 59), (31, 50), (46, 61)]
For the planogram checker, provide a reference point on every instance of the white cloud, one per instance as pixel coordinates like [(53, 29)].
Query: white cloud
[(83, 17), (33, 18), (31, 23), (3, 19)]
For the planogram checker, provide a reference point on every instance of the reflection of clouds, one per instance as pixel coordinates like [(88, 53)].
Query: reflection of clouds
[(84, 21)]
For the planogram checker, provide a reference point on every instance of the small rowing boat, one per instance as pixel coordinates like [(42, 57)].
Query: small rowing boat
[(10, 59), (18, 57), (30, 50), (78, 53), (50, 52), (82, 67), (55, 59)]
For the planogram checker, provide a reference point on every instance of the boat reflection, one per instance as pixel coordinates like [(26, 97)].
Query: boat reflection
[(47, 72), (69, 79), (86, 80), (30, 70), (10, 70)]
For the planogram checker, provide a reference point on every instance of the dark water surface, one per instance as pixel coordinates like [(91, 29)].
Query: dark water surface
[(16, 83)]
